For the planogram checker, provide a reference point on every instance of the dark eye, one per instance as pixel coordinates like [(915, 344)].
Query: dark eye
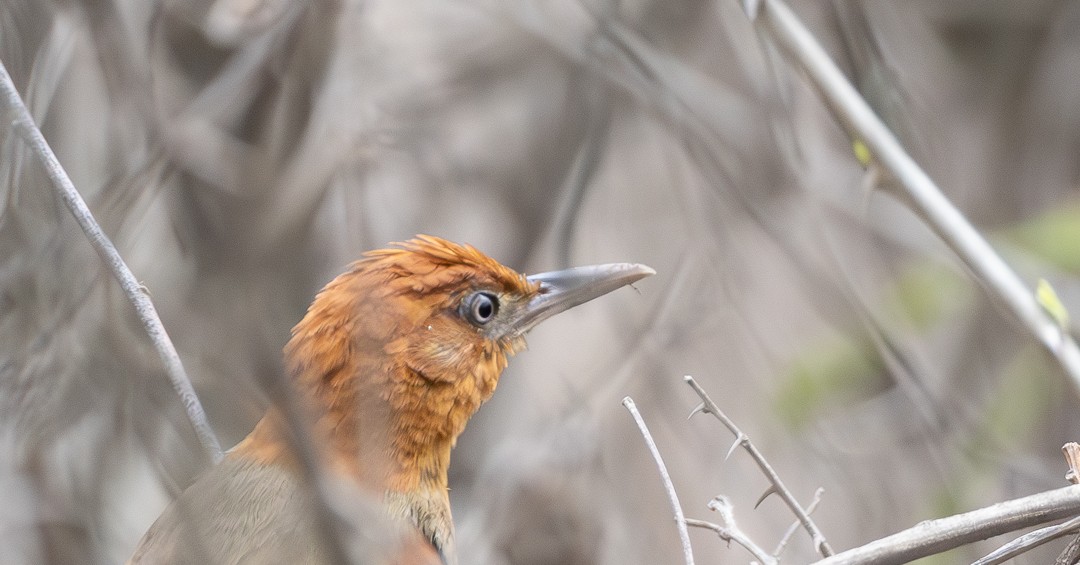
[(481, 307)]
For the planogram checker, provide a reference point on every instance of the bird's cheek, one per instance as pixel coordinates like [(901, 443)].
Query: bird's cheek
[(442, 357)]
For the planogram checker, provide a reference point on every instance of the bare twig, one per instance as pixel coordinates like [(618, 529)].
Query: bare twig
[(729, 531), (1072, 458), (820, 544), (935, 536), (1029, 541), (23, 123), (795, 525), (780, 24), (680, 519)]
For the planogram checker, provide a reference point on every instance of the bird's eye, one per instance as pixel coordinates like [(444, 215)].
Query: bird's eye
[(481, 307)]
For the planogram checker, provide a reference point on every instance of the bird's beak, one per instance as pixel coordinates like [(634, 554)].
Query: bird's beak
[(562, 290)]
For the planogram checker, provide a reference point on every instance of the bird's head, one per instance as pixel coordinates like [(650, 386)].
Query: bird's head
[(401, 349), (398, 352)]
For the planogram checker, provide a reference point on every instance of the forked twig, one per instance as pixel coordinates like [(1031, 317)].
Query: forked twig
[(707, 405), (729, 531), (673, 497), (23, 124)]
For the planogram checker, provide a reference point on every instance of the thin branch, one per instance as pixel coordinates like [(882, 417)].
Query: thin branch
[(23, 123), (795, 525), (936, 536), (729, 531), (777, 20), (680, 519), (1029, 541), (820, 544)]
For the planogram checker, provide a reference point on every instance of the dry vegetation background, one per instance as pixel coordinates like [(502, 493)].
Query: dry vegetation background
[(241, 152)]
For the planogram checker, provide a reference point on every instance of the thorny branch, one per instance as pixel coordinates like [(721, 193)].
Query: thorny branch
[(23, 124), (673, 497), (707, 405), (775, 20), (925, 538)]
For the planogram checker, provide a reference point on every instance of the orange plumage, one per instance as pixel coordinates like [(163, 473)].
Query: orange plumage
[(394, 356)]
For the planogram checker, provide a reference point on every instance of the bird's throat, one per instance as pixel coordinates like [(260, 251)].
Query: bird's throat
[(381, 455)]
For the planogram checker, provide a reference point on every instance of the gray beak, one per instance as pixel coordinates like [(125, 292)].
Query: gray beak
[(562, 290)]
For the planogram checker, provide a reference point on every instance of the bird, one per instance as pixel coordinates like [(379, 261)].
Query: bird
[(390, 361)]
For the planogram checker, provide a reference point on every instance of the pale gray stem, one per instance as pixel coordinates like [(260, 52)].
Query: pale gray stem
[(680, 519), (23, 124)]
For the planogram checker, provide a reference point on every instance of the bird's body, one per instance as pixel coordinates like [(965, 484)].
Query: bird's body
[(393, 358)]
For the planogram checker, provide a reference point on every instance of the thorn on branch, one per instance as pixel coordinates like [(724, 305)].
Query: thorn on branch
[(769, 491), (734, 445)]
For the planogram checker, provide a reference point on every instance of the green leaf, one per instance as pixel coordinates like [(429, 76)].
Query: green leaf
[(1049, 301), (862, 152)]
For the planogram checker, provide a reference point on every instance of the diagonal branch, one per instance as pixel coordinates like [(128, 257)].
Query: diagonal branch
[(776, 20), (820, 544), (935, 536), (729, 532), (23, 125)]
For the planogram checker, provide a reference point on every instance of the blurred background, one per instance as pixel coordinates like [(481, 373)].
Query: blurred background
[(241, 152)]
